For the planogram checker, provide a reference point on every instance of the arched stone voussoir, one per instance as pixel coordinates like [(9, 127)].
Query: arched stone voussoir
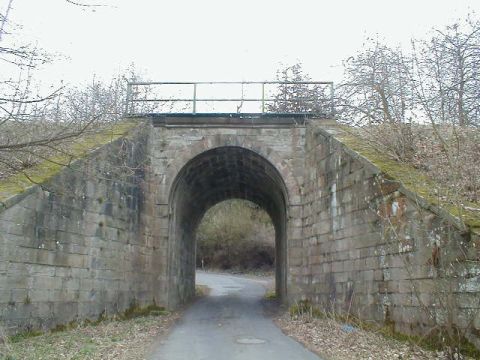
[(292, 188)]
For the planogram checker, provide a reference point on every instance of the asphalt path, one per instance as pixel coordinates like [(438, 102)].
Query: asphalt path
[(229, 324)]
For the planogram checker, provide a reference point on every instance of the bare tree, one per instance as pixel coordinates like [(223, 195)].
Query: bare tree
[(376, 86), (35, 125), (298, 97), (376, 90), (447, 74)]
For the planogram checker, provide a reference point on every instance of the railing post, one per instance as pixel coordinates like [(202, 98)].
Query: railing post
[(194, 110), (263, 98), (332, 101)]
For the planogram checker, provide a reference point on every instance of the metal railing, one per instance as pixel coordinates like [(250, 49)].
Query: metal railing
[(315, 98)]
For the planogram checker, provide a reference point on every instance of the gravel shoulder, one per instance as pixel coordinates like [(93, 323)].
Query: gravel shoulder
[(335, 341), (110, 339)]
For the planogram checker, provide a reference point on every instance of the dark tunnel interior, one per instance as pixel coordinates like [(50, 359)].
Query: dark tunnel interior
[(216, 175)]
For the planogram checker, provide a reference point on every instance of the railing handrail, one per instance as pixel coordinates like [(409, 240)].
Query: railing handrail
[(263, 100), (227, 82)]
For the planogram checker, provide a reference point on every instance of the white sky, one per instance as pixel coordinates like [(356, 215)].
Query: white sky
[(214, 40)]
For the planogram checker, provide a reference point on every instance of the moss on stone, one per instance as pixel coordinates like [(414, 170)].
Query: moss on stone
[(24, 335), (136, 311), (412, 179), (45, 170)]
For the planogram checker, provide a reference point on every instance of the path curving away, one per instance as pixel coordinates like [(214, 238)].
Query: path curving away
[(229, 324)]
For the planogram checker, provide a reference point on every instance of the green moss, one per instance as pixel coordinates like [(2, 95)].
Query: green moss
[(409, 176), (45, 170), (271, 295), (24, 335), (136, 311), (412, 179), (59, 328)]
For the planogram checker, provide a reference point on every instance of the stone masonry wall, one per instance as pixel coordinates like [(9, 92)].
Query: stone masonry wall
[(80, 246), (94, 240), (173, 147), (374, 250), (100, 236)]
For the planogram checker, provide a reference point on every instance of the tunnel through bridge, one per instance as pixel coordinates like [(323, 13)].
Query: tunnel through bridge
[(213, 176)]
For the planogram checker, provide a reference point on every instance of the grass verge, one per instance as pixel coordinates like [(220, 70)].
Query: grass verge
[(129, 338), (314, 328)]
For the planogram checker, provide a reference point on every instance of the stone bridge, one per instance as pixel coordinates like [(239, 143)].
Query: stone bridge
[(116, 228)]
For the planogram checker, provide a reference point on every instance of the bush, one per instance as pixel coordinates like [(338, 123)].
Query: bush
[(236, 234)]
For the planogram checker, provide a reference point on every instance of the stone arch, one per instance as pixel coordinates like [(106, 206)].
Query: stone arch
[(210, 176), (221, 140)]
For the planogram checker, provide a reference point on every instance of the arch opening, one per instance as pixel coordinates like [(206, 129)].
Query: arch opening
[(236, 235), (211, 177)]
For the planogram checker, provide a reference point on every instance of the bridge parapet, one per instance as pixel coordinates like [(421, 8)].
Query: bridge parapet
[(246, 99)]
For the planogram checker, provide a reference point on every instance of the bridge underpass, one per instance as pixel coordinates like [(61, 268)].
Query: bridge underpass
[(350, 238), (213, 176)]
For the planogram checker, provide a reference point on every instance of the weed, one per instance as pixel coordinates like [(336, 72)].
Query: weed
[(304, 308), (24, 335), (201, 290), (271, 295)]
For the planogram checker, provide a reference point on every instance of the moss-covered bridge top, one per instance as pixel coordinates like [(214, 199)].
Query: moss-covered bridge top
[(40, 173), (414, 181)]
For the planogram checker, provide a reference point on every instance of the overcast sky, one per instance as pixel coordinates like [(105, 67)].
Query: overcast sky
[(174, 40)]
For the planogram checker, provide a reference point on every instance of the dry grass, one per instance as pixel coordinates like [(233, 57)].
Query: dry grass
[(14, 158), (334, 341), (448, 155), (119, 340)]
